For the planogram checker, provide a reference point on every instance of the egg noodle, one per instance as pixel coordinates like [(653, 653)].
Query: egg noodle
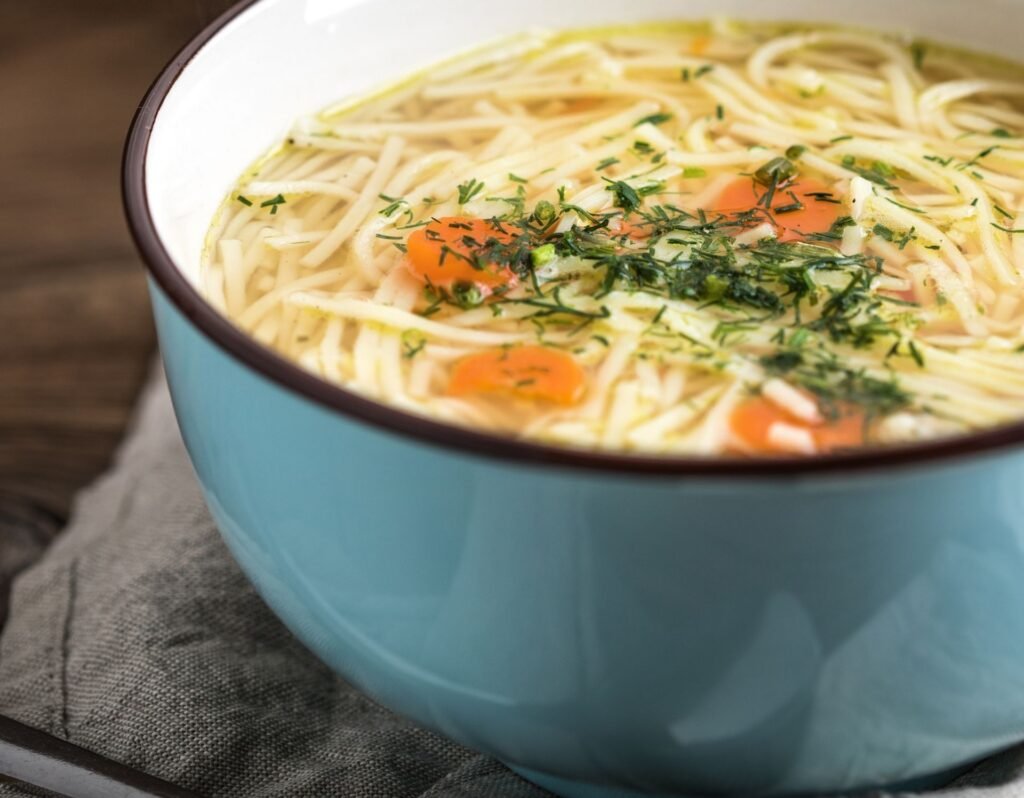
[(696, 239)]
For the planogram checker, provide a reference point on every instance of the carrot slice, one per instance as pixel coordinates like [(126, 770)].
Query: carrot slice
[(753, 418), (816, 216), (632, 229), (530, 372), (447, 251), (844, 432)]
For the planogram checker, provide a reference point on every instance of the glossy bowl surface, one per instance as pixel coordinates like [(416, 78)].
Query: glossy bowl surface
[(608, 625)]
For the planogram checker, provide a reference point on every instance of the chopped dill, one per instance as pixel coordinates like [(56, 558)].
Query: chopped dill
[(918, 51), (273, 203), (469, 190), (910, 208), (394, 204), (878, 172), (413, 342), (653, 119)]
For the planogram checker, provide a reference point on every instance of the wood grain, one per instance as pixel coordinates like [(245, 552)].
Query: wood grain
[(77, 335)]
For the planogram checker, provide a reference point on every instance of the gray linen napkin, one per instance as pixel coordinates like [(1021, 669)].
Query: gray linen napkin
[(136, 636)]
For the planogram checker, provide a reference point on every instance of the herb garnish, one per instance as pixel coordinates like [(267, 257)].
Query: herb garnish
[(878, 173), (469, 190), (654, 119), (1010, 230), (918, 50), (273, 203)]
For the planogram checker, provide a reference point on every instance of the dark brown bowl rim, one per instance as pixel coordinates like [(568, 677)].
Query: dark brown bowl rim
[(289, 375)]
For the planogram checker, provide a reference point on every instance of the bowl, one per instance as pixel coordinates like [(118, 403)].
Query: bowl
[(605, 624)]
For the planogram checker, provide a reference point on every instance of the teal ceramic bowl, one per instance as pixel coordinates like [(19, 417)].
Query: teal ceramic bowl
[(607, 625)]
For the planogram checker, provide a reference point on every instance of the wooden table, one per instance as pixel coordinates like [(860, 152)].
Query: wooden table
[(77, 335)]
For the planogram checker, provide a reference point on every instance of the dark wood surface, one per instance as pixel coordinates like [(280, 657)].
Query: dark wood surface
[(77, 336)]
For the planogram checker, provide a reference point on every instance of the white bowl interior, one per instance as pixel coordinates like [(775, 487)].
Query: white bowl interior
[(280, 59)]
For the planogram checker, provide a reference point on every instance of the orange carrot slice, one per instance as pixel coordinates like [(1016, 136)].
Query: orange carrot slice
[(632, 229), (753, 418), (530, 372), (844, 432), (816, 216), (447, 251)]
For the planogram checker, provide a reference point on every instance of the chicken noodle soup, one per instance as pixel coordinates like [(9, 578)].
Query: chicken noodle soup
[(692, 239)]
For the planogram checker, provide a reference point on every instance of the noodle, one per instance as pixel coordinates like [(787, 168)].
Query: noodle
[(705, 239)]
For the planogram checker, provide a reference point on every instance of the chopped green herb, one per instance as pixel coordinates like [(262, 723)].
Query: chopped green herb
[(882, 168), (882, 231), (918, 50), (823, 196), (544, 213), (794, 152), (905, 207), (469, 190), (245, 201), (983, 154), (273, 203), (629, 198), (653, 119), (606, 163), (413, 342), (467, 295), (690, 172), (916, 354), (771, 175), (878, 173), (395, 203), (626, 197), (542, 255), (777, 170)]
